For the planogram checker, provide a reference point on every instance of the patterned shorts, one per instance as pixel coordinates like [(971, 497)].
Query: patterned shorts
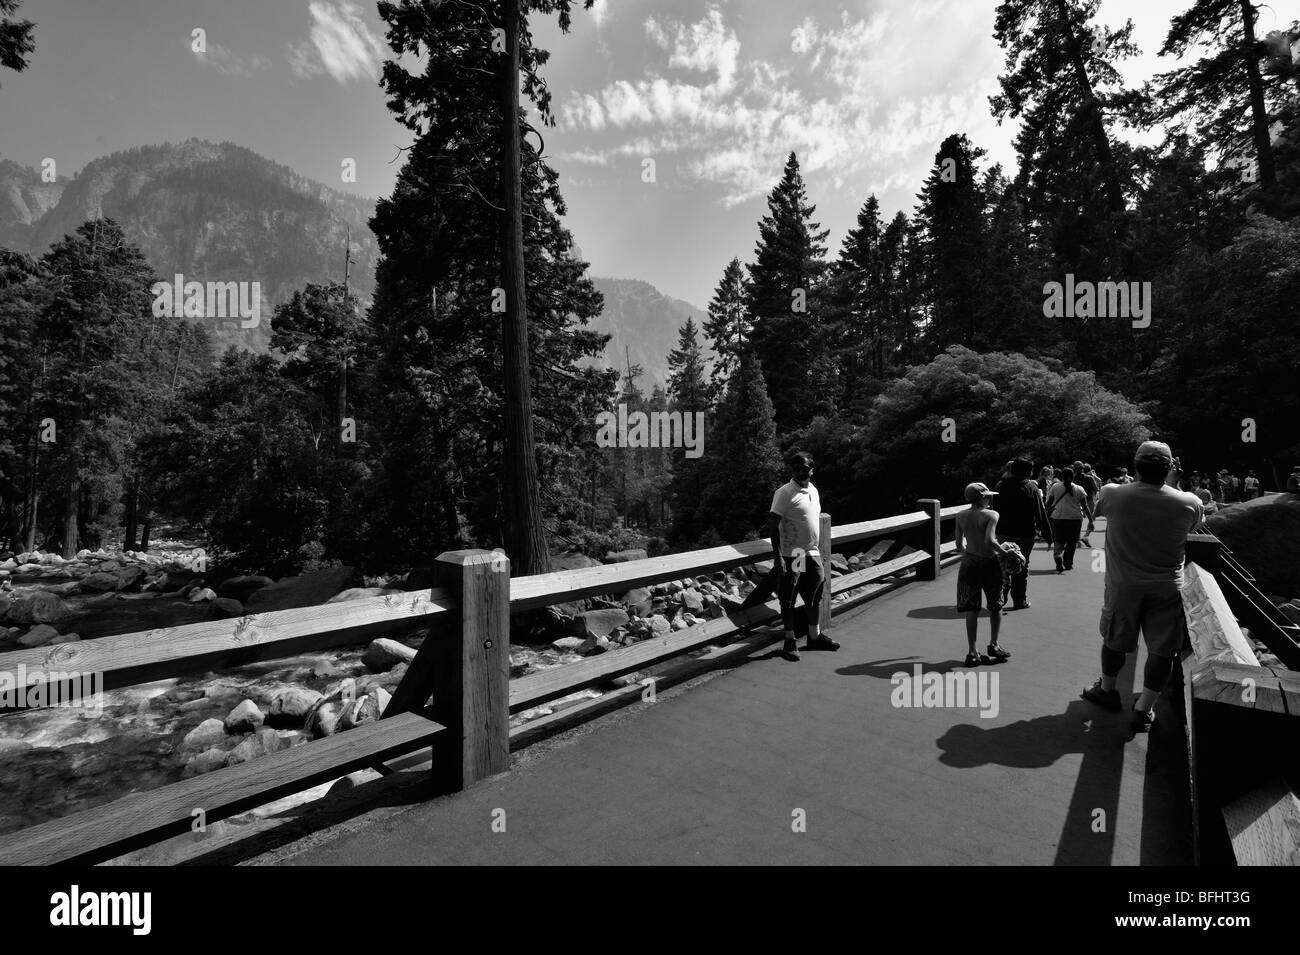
[(978, 575)]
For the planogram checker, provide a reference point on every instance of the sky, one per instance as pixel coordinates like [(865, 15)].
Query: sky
[(716, 92)]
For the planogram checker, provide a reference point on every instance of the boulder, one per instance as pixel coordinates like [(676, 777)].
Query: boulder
[(623, 556), (1264, 537), (1291, 611), (263, 742), (838, 562), (244, 718), (762, 568), (200, 594), (659, 623), (359, 711), (241, 588), (204, 736), (598, 623), (573, 644), (65, 638), (205, 762), (38, 636), (692, 600), (290, 706), (224, 608), (638, 601), (572, 561), (323, 720), (64, 590), (384, 654), (307, 590), (130, 577), (37, 606)]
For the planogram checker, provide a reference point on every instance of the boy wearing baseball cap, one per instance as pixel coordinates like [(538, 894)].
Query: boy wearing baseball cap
[(980, 571), (1146, 535)]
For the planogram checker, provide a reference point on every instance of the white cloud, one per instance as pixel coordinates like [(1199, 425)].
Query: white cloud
[(853, 101), (340, 43), (599, 12), (230, 63)]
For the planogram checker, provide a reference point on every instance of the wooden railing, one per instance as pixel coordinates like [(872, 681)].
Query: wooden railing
[(1242, 718), (463, 664)]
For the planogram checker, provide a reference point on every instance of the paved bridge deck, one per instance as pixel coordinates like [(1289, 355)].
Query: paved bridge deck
[(714, 773)]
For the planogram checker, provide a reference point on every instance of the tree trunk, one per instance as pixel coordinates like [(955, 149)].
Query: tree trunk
[(1101, 142), (1258, 110), (132, 511), (526, 541), (70, 508), (146, 525)]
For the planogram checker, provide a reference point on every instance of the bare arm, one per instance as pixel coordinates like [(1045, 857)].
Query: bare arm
[(992, 539), (957, 539), (774, 535)]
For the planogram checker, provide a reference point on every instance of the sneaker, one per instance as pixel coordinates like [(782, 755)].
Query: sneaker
[(1060, 568), (822, 642), (790, 650), (972, 660), (1109, 699), (999, 653), (1023, 606), (1143, 721)]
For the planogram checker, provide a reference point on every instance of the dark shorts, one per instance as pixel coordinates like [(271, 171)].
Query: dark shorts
[(1156, 612), (978, 575)]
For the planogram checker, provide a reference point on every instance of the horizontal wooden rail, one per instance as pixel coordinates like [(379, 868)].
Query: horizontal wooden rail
[(131, 658), (143, 818), (849, 533), (953, 511)]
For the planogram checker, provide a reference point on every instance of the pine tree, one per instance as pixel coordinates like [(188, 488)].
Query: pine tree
[(1227, 89), (690, 394), (857, 303), (950, 214), (728, 326), (790, 338), (686, 382), (16, 41), (740, 467)]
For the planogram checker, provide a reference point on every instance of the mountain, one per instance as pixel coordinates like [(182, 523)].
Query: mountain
[(211, 212), (644, 320), (219, 212)]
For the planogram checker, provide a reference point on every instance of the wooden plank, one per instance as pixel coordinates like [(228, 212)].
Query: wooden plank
[(131, 658), (551, 684), (139, 819), (825, 547), (1264, 826), (1236, 684), (1288, 682), (859, 578), (878, 528), (948, 513), (929, 539)]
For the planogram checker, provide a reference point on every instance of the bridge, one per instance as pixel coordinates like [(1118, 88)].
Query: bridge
[(733, 754)]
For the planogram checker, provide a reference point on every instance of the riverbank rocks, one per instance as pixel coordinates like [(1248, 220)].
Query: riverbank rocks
[(244, 718), (241, 588), (1264, 537), (264, 741), (98, 582), (38, 636), (200, 594), (290, 706), (598, 623), (224, 608), (307, 590), (356, 593), (204, 736), (384, 654), (638, 601), (33, 607), (204, 762)]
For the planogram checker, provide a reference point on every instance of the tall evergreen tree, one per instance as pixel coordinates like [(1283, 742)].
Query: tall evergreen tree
[(728, 326), (1227, 90), (689, 394), (790, 337), (950, 214), (858, 302), (16, 41)]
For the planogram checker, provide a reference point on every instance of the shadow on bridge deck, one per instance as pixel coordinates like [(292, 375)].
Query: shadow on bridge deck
[(717, 771)]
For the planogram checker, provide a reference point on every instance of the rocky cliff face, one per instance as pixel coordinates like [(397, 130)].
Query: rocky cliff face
[(211, 212), (645, 320)]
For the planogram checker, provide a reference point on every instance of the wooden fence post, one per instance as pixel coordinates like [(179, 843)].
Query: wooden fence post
[(824, 543), (470, 669), (931, 537)]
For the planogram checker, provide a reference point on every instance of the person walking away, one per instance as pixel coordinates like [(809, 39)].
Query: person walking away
[(980, 572), (1089, 482), (794, 526), (1251, 485), (1067, 507), (1020, 514), (1147, 524)]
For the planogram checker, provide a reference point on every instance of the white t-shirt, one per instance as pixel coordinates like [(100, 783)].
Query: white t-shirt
[(800, 510)]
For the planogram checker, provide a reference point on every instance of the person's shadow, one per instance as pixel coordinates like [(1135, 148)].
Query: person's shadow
[(887, 668), (947, 612), (1034, 743)]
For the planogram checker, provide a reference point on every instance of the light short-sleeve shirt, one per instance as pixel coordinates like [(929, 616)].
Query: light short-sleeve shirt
[(1146, 532), (800, 510)]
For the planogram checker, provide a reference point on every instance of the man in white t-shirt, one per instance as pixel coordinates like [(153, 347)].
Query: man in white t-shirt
[(794, 526)]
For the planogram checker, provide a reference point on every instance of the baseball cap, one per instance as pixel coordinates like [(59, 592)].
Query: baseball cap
[(1154, 451), (976, 490)]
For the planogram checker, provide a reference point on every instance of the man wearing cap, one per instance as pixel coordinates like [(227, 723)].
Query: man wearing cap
[(794, 526), (980, 571), (1146, 534)]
